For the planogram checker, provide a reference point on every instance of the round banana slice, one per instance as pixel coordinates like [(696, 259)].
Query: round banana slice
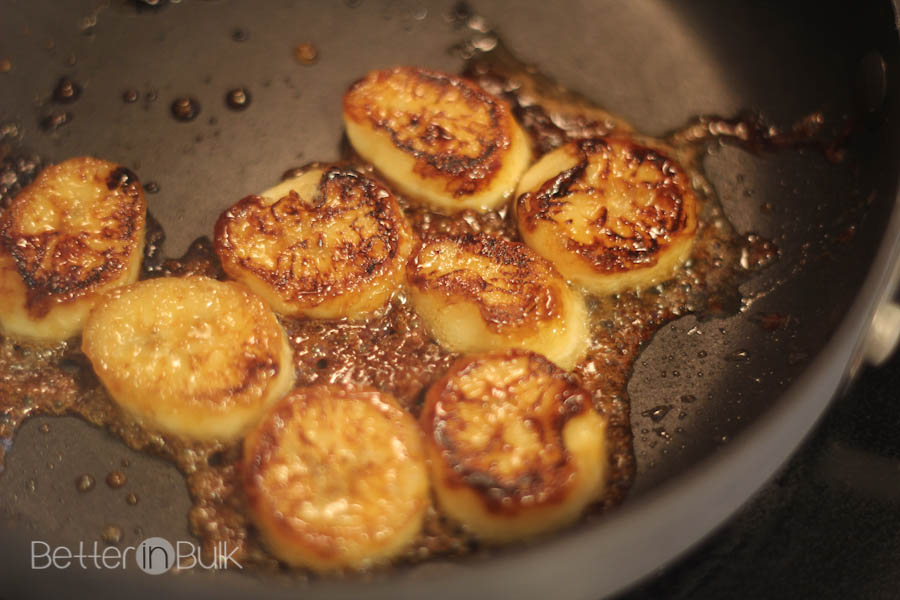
[(74, 232), (611, 213), (514, 445), (194, 357), (329, 243), (335, 478), (436, 137), (478, 293)]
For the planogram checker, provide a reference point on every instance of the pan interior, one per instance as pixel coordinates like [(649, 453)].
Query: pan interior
[(701, 381)]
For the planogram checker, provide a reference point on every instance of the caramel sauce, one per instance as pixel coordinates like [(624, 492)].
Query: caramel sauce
[(392, 350)]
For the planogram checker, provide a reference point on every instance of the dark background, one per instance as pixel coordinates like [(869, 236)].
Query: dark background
[(828, 526)]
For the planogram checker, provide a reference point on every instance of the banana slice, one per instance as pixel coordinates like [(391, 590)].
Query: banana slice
[(335, 478), (436, 137), (75, 232), (329, 243), (480, 292), (514, 445), (194, 357), (611, 213)]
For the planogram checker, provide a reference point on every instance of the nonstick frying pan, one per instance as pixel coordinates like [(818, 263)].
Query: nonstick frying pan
[(756, 392)]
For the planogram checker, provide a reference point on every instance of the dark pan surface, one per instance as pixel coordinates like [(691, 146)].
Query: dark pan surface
[(732, 421)]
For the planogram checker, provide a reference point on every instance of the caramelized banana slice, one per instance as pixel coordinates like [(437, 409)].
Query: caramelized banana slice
[(480, 293), (514, 445), (194, 357), (335, 478), (329, 243), (611, 213), (436, 137), (75, 232)]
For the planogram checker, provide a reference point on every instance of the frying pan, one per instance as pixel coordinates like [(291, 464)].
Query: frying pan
[(756, 392)]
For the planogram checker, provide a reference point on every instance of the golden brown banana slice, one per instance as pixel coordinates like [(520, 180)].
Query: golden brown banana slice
[(335, 478), (194, 357), (479, 293), (436, 137), (329, 243), (514, 445), (611, 213), (75, 232)]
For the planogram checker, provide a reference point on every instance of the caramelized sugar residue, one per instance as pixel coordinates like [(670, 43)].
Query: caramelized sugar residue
[(392, 351)]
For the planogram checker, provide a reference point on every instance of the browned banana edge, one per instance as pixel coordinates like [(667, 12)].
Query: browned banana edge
[(610, 251), (261, 445), (548, 478), (352, 191), (464, 175), (533, 303), (51, 263), (259, 362)]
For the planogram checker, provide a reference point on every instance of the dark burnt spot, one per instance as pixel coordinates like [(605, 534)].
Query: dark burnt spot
[(121, 177), (534, 206)]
